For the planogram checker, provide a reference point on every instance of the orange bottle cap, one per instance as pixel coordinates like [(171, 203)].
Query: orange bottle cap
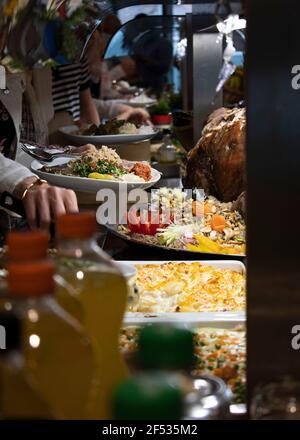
[(24, 246), (77, 225), (30, 279)]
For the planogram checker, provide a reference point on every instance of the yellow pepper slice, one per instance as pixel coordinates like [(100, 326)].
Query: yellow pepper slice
[(208, 243), (198, 248), (205, 244), (100, 176)]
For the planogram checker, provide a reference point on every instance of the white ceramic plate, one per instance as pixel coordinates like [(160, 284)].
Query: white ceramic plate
[(68, 132), (142, 103), (84, 184), (135, 103)]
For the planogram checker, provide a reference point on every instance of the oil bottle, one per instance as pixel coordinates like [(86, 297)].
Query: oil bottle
[(57, 353), (101, 291)]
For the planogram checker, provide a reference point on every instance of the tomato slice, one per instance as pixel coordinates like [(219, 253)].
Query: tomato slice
[(145, 222), (134, 222), (145, 217), (135, 228), (145, 228), (133, 216), (153, 228)]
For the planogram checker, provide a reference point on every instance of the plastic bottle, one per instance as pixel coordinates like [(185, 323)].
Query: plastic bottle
[(166, 347), (19, 398), (166, 154), (153, 396), (22, 246), (57, 352), (170, 349), (25, 246), (101, 291), (164, 355)]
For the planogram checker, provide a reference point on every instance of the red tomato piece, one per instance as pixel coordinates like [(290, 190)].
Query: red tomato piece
[(145, 222)]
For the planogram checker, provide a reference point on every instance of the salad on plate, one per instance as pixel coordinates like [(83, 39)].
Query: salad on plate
[(174, 220), (104, 164)]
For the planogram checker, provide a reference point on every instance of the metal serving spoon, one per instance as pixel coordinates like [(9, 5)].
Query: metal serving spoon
[(42, 155)]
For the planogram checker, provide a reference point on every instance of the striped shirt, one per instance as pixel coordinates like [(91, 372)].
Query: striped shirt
[(67, 82)]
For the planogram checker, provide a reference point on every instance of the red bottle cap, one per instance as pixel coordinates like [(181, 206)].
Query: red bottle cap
[(30, 279), (77, 225), (24, 246)]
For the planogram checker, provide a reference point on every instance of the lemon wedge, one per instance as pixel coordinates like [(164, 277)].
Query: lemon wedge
[(100, 176)]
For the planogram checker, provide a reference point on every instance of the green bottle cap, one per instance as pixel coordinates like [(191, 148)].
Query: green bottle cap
[(148, 397), (163, 346)]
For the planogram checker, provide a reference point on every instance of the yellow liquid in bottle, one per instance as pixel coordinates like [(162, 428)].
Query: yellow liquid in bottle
[(58, 355), (19, 398), (67, 297), (102, 294)]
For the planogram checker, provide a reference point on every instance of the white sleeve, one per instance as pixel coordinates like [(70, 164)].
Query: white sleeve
[(11, 174)]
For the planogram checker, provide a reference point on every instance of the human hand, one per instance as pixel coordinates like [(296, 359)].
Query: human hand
[(44, 203), (138, 115), (82, 149)]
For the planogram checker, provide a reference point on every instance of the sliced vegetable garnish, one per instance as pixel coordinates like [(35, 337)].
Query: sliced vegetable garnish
[(218, 223), (100, 176), (145, 222)]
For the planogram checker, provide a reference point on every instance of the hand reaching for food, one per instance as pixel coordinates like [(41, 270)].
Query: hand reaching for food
[(44, 203), (87, 148), (137, 115)]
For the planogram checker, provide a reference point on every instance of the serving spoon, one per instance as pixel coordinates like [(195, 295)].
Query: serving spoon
[(42, 155)]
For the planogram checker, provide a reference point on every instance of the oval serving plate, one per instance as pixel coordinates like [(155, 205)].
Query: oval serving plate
[(85, 184), (115, 139), (175, 253)]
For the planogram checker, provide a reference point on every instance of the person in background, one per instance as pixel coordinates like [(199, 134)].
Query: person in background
[(150, 55), (109, 26), (41, 202), (108, 108), (96, 49), (72, 99), (73, 103), (24, 115)]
